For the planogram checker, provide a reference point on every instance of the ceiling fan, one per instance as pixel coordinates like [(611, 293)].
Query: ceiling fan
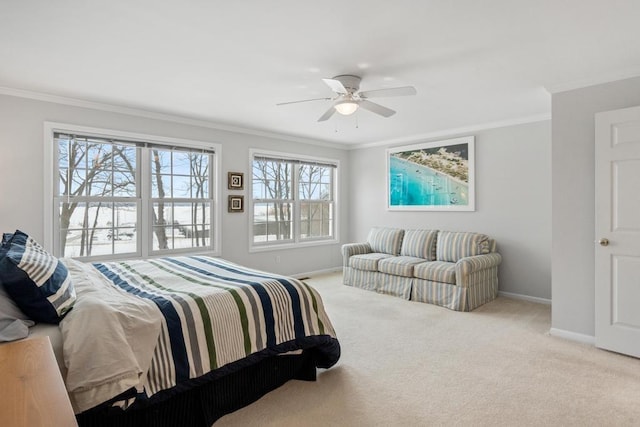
[(348, 97)]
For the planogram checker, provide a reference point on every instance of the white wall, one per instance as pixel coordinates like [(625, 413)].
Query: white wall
[(512, 191), (22, 179), (513, 202), (573, 221)]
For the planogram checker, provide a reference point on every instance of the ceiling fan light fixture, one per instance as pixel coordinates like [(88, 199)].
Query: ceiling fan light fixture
[(348, 98), (346, 107)]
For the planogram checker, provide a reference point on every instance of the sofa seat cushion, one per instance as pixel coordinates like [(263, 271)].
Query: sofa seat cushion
[(399, 265), (436, 271), (368, 262)]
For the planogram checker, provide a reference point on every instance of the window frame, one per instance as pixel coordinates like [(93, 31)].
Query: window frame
[(151, 201), (144, 198), (297, 241)]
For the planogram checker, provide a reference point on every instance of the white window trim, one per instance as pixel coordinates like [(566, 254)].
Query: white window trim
[(50, 181), (295, 244)]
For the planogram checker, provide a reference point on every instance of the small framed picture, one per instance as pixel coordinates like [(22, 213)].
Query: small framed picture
[(236, 204), (235, 181)]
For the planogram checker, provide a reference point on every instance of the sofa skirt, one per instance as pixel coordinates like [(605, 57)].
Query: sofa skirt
[(442, 294), (483, 288), (362, 279), (480, 291), (379, 282)]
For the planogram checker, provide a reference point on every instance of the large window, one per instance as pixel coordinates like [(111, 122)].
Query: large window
[(115, 197), (181, 205), (293, 200)]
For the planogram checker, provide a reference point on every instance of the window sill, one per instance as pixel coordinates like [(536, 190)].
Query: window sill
[(299, 245), (136, 256)]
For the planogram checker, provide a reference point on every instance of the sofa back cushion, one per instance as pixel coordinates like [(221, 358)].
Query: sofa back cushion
[(452, 246), (419, 244), (385, 240)]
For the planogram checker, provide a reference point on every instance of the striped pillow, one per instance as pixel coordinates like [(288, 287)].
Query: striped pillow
[(452, 246), (385, 240), (420, 244), (38, 283)]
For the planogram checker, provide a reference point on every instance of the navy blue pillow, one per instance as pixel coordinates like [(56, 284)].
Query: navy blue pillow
[(37, 282)]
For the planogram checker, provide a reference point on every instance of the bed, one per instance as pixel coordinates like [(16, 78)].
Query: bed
[(179, 340)]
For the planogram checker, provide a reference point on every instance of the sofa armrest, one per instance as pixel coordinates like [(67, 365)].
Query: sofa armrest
[(477, 268), (351, 249)]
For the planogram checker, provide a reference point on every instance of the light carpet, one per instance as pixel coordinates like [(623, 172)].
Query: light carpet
[(405, 363)]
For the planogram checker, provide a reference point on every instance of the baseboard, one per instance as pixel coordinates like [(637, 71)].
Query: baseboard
[(573, 336), (317, 272), (524, 297)]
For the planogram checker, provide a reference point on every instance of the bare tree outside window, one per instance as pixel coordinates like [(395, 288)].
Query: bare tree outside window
[(100, 200), (200, 173), (272, 187), (316, 200), (181, 201), (89, 170), (159, 221), (291, 195)]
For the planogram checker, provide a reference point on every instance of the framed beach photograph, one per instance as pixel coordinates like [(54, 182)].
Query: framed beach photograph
[(434, 176), (236, 204), (235, 181)]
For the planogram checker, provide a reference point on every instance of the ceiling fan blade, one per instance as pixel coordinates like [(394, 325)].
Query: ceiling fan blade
[(305, 100), (376, 108), (336, 86), (327, 115), (393, 91)]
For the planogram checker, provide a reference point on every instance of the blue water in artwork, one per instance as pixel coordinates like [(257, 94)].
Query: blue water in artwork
[(411, 184)]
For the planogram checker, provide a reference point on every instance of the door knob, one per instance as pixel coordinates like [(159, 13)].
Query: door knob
[(604, 241)]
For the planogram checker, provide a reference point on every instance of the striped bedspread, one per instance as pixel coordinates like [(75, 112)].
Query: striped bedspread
[(214, 312)]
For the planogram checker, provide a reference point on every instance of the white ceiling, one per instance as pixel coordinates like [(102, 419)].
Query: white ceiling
[(473, 62)]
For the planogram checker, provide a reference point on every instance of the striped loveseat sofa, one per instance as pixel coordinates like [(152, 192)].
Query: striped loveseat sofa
[(457, 270)]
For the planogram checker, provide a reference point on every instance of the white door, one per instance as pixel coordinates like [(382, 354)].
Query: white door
[(617, 253)]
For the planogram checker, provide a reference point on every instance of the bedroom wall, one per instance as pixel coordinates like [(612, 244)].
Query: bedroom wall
[(573, 219), (513, 202), (22, 183)]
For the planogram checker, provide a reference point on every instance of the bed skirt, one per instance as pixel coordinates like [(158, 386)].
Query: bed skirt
[(203, 404)]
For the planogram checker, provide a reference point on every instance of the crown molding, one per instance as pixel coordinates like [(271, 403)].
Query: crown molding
[(454, 131), (601, 79), (76, 102)]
